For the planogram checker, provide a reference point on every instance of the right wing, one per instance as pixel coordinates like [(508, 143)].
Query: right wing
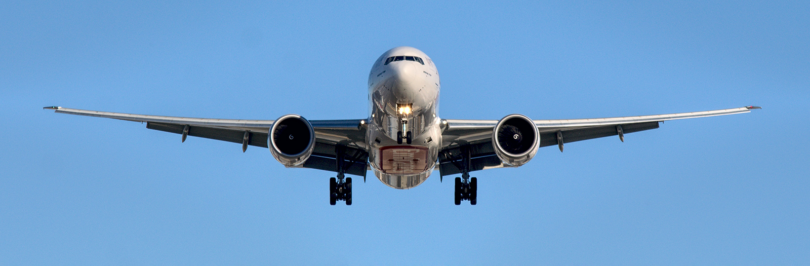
[(476, 134), (331, 136)]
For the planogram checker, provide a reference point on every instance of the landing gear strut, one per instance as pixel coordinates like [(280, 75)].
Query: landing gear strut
[(408, 136), (338, 188), (466, 188)]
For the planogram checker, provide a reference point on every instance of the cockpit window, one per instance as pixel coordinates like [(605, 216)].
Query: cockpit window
[(405, 58)]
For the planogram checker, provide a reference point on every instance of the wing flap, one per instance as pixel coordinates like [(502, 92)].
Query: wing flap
[(476, 164), (324, 157), (235, 136), (330, 164), (334, 138), (482, 156), (572, 135), (482, 153)]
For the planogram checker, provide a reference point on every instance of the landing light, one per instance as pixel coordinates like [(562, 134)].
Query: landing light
[(404, 109)]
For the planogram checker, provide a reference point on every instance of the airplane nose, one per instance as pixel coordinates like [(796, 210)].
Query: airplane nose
[(404, 81)]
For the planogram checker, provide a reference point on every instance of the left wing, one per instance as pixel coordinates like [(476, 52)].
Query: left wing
[(331, 136), (475, 135)]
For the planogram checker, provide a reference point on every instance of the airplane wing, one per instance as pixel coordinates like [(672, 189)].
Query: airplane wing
[(331, 136), (476, 135)]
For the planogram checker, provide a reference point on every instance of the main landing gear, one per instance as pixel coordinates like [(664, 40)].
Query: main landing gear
[(466, 188), (340, 190)]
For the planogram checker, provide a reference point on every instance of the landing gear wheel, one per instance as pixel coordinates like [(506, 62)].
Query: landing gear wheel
[(473, 191), (399, 137), (332, 194), (348, 191), (409, 137), (458, 191), (340, 188)]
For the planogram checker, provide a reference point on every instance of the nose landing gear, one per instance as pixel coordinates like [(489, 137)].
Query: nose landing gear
[(403, 125), (408, 137)]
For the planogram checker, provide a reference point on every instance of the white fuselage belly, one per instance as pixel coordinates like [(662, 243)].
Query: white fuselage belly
[(403, 97)]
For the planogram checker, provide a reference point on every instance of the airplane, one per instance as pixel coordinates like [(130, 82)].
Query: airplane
[(403, 139)]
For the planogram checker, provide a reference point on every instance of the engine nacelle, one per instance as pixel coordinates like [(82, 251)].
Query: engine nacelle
[(291, 140), (515, 139)]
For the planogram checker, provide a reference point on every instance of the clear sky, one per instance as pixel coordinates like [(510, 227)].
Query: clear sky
[(731, 190)]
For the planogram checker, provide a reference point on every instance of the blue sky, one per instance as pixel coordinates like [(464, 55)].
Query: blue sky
[(88, 191)]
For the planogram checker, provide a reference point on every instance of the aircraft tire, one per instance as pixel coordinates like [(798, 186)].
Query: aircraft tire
[(332, 194), (473, 191), (458, 191), (348, 189)]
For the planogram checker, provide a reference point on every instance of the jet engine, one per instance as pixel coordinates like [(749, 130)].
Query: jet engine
[(515, 139), (291, 140)]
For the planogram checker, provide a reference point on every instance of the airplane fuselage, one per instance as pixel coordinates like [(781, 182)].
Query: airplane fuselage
[(404, 132)]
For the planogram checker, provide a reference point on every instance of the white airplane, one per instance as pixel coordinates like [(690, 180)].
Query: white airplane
[(403, 140)]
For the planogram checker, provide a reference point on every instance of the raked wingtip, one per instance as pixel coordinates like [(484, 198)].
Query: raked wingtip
[(753, 107), (52, 107)]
